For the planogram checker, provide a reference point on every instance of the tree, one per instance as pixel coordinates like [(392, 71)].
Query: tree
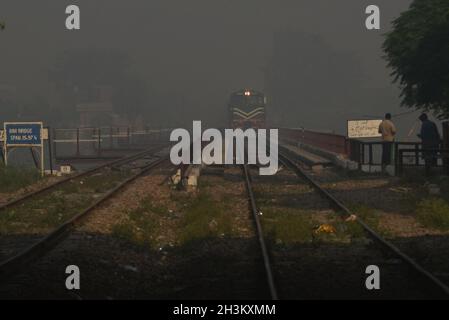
[(417, 49), (2, 25)]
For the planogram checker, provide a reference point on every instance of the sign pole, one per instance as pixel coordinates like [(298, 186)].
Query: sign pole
[(36, 163), (50, 153), (2, 155), (446, 145), (24, 135), (6, 155), (42, 159)]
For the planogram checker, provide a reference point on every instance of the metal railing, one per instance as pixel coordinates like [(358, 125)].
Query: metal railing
[(427, 158), (370, 152), (404, 154)]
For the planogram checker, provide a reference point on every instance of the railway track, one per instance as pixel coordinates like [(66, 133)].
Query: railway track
[(24, 252), (209, 274), (344, 212), (79, 175), (260, 234), (408, 268)]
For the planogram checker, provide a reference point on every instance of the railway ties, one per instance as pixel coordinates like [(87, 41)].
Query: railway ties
[(205, 243), (36, 222), (208, 247)]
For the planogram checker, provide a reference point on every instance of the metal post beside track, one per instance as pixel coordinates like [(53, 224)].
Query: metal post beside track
[(77, 142), (446, 146)]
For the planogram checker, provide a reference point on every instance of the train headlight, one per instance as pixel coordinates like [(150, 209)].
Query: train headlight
[(247, 93)]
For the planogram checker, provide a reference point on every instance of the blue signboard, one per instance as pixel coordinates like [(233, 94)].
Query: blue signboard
[(23, 134)]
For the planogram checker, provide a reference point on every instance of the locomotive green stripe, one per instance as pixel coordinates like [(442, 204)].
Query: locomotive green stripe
[(248, 114)]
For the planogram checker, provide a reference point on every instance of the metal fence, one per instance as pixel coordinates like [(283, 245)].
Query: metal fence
[(105, 142), (422, 157)]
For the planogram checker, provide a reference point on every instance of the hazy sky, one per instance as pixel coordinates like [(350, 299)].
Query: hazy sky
[(202, 49)]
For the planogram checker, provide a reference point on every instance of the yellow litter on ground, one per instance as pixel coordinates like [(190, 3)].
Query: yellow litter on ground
[(325, 228)]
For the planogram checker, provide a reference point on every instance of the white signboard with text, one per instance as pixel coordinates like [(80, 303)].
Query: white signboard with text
[(363, 129)]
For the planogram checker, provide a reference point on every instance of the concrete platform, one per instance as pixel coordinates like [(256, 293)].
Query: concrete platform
[(309, 158), (337, 159)]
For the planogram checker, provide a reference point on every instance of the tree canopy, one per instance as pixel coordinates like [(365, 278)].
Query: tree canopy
[(417, 49)]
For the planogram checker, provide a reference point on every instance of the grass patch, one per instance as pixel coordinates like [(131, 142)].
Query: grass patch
[(287, 226), (434, 213), (51, 209), (205, 218), (14, 178), (41, 214)]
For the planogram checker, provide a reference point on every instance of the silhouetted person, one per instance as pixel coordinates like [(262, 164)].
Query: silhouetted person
[(430, 137), (388, 131)]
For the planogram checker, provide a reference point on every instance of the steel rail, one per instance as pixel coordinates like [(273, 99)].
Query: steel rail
[(260, 237), (76, 176), (41, 247), (288, 162)]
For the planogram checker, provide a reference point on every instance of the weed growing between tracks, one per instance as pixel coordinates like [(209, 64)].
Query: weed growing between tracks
[(367, 215), (294, 214), (179, 218), (287, 226), (205, 218)]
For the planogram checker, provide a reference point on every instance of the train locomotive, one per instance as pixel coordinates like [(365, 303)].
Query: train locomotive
[(247, 109)]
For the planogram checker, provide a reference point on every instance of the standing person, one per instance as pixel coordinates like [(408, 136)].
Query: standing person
[(430, 137), (388, 131)]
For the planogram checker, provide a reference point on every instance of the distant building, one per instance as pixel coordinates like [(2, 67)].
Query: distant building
[(94, 114)]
